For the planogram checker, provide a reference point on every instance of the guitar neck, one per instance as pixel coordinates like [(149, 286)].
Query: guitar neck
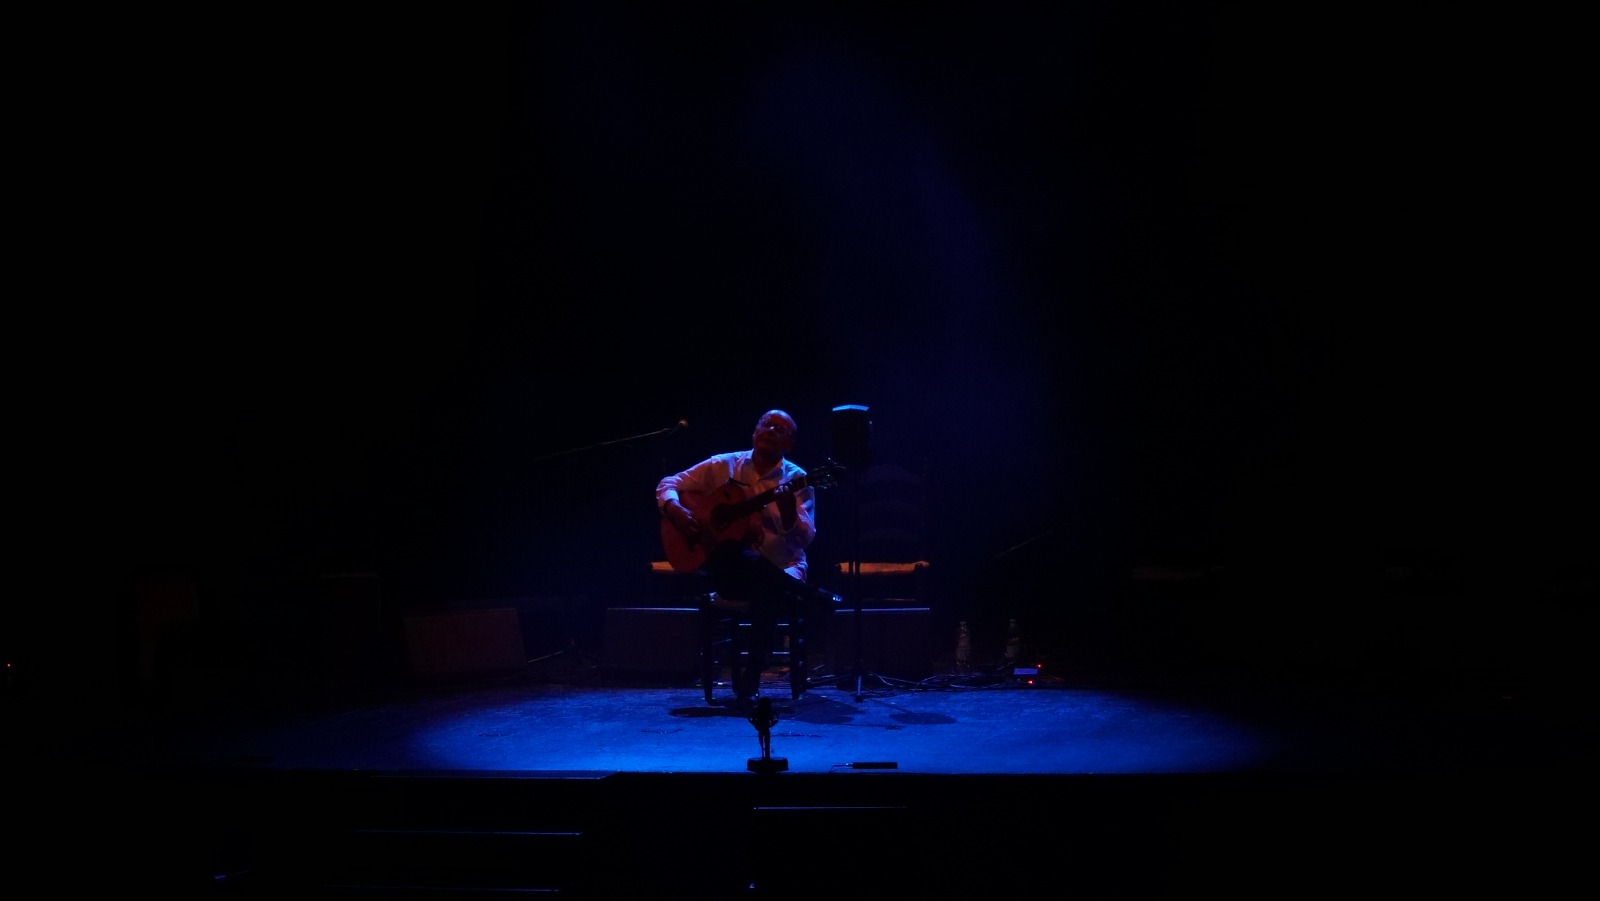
[(758, 501)]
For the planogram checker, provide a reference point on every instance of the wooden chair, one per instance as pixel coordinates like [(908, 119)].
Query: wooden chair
[(726, 631)]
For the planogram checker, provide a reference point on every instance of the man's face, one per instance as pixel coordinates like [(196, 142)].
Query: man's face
[(775, 433)]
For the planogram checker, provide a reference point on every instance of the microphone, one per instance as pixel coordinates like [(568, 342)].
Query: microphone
[(682, 424)]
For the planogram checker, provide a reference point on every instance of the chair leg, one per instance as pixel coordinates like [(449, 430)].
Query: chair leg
[(797, 656), (708, 649)]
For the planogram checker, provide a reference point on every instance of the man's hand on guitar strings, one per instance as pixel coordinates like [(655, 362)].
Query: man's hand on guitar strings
[(682, 519)]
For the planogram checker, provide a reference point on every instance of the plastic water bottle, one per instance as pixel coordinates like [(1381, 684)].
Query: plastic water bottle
[(963, 647), (1013, 643)]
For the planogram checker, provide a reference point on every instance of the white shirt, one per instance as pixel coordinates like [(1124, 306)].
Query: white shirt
[(732, 478)]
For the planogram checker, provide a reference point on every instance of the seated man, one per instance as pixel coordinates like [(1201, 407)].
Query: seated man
[(745, 519)]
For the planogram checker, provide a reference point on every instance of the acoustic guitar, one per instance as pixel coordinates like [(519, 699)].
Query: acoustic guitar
[(729, 515)]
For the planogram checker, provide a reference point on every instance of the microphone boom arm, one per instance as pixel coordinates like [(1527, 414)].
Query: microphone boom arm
[(679, 426)]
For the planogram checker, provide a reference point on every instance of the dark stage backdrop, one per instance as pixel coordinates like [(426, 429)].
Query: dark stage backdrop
[(1246, 290)]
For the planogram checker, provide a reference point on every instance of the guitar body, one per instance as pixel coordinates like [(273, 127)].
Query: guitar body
[(728, 514), (722, 513)]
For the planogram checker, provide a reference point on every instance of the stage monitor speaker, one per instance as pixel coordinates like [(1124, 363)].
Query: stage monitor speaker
[(852, 437), (476, 642), (895, 642), (659, 641)]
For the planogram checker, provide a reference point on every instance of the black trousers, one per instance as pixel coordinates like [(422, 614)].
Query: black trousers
[(742, 574)]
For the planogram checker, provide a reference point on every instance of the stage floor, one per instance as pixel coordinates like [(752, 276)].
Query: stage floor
[(957, 725), (1151, 792)]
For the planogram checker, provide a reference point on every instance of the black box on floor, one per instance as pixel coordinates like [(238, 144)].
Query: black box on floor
[(895, 642), (661, 641), (477, 642)]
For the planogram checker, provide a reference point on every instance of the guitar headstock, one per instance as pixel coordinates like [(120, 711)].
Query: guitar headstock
[(825, 476)]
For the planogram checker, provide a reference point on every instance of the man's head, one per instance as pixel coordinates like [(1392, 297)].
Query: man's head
[(774, 434)]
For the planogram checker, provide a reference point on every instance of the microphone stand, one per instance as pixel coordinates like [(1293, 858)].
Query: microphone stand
[(853, 579), (855, 584), (678, 427), (854, 440)]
